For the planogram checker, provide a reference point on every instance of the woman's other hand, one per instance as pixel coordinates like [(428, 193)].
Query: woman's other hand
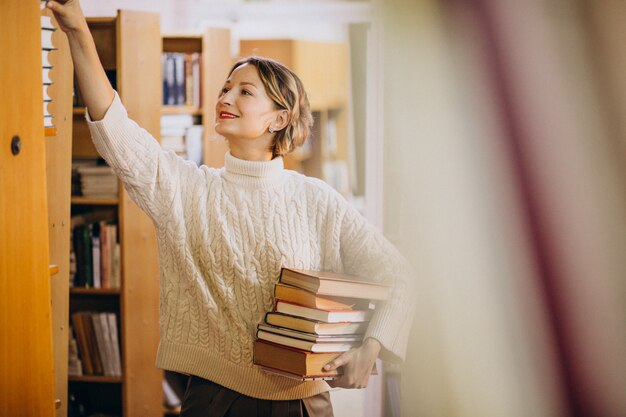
[(357, 365), (68, 14)]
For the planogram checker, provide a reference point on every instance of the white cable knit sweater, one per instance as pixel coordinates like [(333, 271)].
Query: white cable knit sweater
[(223, 235)]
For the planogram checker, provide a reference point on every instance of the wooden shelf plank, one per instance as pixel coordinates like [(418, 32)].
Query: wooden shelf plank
[(94, 291), (96, 378), (195, 111), (87, 201)]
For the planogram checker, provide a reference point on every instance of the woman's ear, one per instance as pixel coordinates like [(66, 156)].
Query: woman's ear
[(281, 121)]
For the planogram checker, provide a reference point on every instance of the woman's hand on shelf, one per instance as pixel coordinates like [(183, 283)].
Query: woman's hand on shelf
[(68, 14)]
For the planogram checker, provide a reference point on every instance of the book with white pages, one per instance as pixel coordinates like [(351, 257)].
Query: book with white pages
[(115, 344), (46, 23), (323, 347), (312, 326), (46, 95), (328, 316), (310, 337), (45, 75), (45, 59), (46, 40)]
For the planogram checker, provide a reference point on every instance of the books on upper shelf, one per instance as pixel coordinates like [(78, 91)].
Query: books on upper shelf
[(328, 316), (181, 79), (297, 362), (333, 283), (312, 326)]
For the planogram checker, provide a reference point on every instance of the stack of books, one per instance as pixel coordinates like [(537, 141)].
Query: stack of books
[(317, 316), (97, 181), (182, 134)]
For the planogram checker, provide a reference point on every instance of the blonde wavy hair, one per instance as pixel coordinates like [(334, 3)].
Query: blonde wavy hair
[(285, 89)]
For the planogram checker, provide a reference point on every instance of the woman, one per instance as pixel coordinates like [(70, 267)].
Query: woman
[(224, 234)]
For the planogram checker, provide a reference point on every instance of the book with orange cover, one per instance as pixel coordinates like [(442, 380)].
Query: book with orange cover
[(327, 316), (309, 299), (334, 284)]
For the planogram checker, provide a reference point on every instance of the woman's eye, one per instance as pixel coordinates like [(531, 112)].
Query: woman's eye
[(224, 91), (246, 93)]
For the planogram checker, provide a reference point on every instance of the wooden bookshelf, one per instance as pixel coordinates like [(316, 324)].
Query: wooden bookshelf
[(129, 47), (328, 92), (213, 45), (26, 336)]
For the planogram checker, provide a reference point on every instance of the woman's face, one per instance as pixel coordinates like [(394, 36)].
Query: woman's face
[(243, 110)]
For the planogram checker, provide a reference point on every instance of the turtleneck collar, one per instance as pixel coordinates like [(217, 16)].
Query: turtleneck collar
[(253, 174)]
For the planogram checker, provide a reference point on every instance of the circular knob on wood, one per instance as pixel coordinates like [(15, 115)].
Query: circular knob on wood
[(16, 145)]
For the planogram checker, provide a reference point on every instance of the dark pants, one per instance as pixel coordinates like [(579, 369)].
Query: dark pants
[(204, 398)]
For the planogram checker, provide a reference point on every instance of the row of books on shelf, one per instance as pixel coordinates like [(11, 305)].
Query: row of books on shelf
[(181, 79), (94, 347), (317, 316), (94, 254)]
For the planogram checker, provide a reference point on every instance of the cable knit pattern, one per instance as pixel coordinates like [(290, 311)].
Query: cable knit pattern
[(223, 236)]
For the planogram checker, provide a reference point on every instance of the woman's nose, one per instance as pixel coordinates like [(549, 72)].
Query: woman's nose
[(226, 98)]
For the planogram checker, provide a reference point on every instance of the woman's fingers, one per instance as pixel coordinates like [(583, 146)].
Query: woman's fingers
[(67, 13), (338, 361)]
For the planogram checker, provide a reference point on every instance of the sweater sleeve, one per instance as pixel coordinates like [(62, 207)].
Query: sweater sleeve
[(152, 176), (367, 253)]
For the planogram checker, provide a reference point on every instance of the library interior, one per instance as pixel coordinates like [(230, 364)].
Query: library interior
[(483, 141)]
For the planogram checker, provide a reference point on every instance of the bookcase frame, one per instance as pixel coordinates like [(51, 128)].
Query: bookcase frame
[(214, 46), (26, 359), (129, 43)]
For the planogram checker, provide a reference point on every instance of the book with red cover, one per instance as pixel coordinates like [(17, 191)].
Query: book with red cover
[(294, 361)]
